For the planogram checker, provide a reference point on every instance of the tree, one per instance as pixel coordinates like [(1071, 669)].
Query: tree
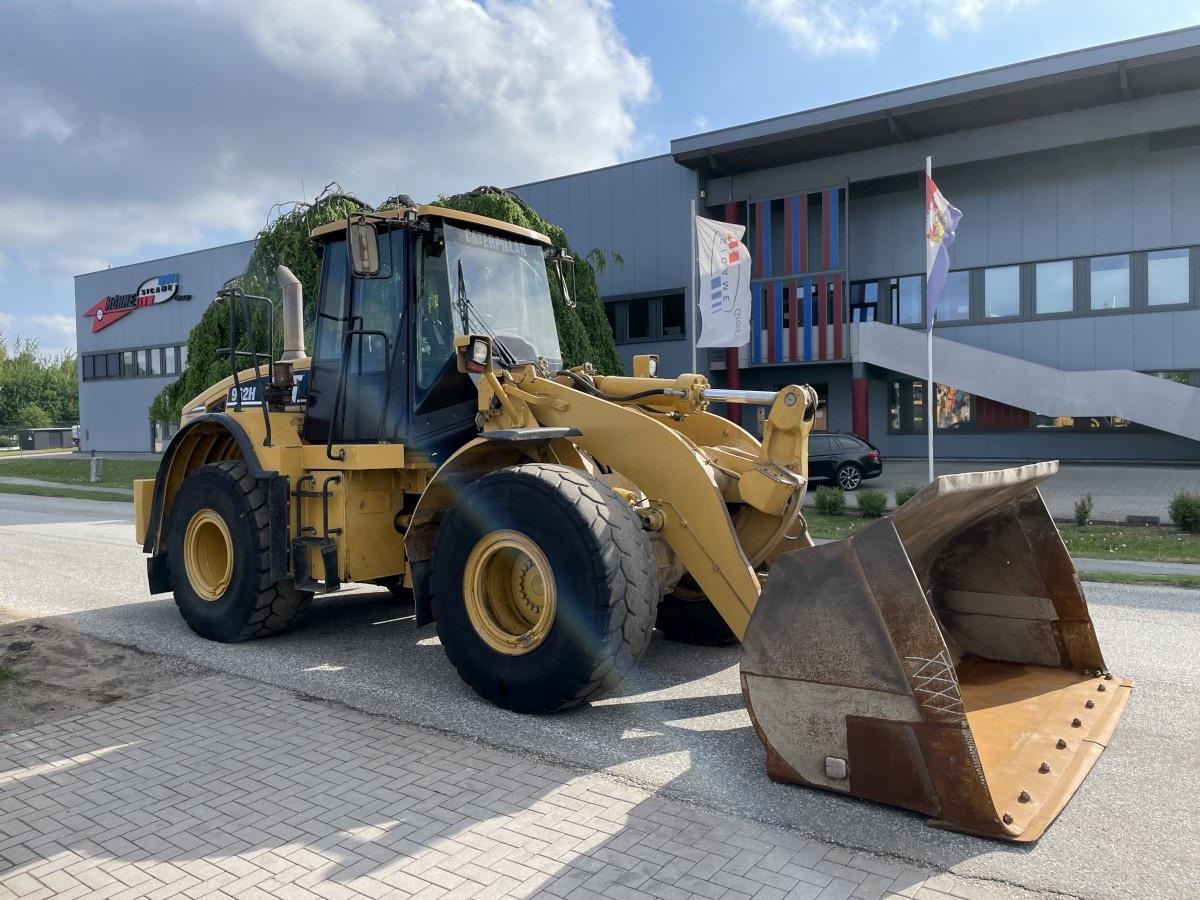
[(32, 379), (583, 331), (32, 416)]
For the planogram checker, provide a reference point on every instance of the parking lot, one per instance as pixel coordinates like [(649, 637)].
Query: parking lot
[(677, 728)]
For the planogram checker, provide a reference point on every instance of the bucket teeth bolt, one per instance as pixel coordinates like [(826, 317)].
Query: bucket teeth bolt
[(1090, 704), (1101, 688), (1044, 768), (1007, 819), (1075, 723), (1061, 745), (1108, 676), (1023, 796)]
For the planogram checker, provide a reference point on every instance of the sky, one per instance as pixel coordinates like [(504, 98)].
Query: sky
[(142, 128)]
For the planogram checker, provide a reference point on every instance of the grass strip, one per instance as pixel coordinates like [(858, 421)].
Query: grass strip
[(33, 490), (1183, 581), (77, 470)]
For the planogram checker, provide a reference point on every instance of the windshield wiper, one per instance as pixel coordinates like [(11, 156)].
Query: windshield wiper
[(467, 312)]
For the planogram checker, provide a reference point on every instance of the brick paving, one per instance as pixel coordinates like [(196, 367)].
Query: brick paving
[(228, 788)]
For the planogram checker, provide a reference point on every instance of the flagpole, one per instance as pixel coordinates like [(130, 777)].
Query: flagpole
[(693, 282), (930, 399)]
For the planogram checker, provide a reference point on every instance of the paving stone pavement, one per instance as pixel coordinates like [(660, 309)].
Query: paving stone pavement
[(228, 788)]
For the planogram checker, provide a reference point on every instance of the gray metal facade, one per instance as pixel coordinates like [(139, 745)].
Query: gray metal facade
[(113, 412), (1085, 154)]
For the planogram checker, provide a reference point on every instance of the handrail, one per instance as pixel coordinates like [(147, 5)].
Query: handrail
[(236, 296)]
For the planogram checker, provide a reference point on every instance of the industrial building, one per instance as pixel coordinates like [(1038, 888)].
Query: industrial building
[(1070, 326)]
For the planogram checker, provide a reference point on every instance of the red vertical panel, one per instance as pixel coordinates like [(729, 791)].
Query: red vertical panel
[(804, 232), (822, 318), (793, 354), (825, 244), (837, 317)]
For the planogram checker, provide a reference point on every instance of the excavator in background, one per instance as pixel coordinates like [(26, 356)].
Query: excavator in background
[(548, 518)]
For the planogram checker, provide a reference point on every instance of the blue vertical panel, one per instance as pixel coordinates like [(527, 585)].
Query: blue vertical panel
[(777, 292), (756, 317), (806, 311)]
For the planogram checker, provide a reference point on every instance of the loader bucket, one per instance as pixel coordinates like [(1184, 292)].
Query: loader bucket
[(941, 660)]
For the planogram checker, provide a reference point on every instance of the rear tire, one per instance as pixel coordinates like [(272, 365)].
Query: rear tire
[(543, 586), (692, 622), (849, 477), (218, 542)]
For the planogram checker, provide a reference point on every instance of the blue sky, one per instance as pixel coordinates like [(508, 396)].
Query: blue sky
[(106, 171)]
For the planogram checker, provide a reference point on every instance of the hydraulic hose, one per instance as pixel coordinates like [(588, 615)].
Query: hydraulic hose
[(590, 388)]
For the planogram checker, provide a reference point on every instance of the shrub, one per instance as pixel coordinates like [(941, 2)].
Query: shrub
[(831, 501), (906, 492), (1083, 510), (872, 504), (1184, 510)]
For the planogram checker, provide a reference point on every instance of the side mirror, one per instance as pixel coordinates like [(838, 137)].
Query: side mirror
[(474, 353), (363, 248), (559, 255)]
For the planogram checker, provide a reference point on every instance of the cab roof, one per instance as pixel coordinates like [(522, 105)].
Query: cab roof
[(324, 232)]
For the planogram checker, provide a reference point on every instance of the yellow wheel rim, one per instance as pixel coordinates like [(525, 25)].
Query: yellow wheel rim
[(509, 591), (208, 555)]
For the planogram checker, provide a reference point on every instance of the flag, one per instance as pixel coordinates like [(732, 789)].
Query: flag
[(941, 220), (724, 264)]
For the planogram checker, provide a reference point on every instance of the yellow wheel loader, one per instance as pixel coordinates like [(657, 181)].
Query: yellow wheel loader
[(941, 660)]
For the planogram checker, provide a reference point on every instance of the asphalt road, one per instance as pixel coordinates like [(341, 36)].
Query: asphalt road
[(678, 721)]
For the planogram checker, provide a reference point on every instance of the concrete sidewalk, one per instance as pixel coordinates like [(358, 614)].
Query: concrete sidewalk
[(38, 482), (1117, 491), (229, 788)]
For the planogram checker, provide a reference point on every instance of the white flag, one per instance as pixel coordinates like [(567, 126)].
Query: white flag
[(724, 297)]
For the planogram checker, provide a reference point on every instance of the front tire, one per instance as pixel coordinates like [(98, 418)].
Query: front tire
[(543, 586), (218, 541)]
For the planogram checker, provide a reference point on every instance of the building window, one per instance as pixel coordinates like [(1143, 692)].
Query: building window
[(1109, 281), (864, 301), (171, 361), (610, 313), (98, 366), (156, 361), (128, 370), (113, 368), (954, 410), (955, 303), (183, 357), (1083, 423), (1054, 287), (637, 316), (89, 368), (906, 300), (906, 406), (1168, 274), (644, 319), (671, 309), (1002, 292)]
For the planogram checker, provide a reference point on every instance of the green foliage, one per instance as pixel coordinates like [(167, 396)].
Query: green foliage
[(36, 389), (831, 501), (1083, 510), (33, 416), (284, 241), (583, 332), (906, 492), (872, 504), (1185, 512)]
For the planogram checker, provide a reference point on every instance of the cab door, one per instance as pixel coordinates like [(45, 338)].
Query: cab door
[(358, 383)]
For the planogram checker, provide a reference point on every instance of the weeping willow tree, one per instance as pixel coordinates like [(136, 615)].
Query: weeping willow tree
[(583, 330)]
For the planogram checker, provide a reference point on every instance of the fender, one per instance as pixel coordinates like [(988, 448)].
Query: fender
[(469, 463), (209, 438)]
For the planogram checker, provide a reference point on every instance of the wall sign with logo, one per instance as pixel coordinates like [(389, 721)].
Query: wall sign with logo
[(151, 292)]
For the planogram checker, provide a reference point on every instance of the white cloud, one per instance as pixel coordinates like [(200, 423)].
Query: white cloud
[(701, 122), (827, 27), (423, 98), (63, 324), (7, 322)]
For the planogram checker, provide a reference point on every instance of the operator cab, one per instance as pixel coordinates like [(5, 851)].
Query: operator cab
[(396, 289)]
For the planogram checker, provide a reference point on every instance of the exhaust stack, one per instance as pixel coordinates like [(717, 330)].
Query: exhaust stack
[(293, 314)]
